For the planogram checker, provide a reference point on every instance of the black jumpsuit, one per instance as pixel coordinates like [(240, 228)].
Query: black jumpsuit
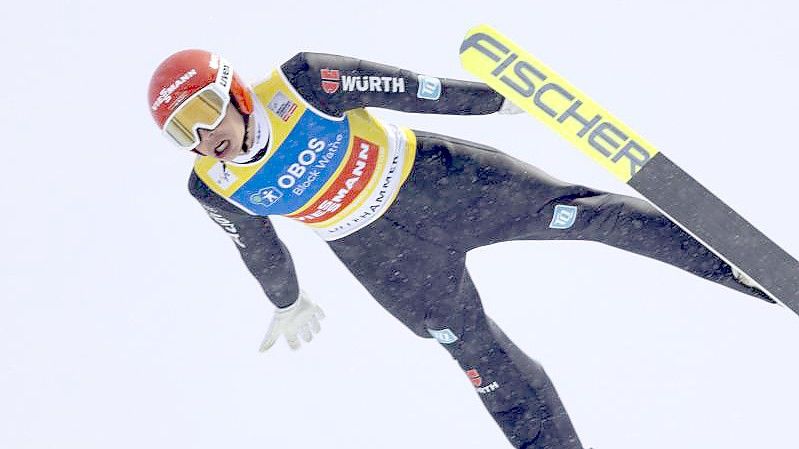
[(459, 196)]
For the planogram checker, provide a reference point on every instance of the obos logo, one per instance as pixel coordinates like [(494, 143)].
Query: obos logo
[(266, 196)]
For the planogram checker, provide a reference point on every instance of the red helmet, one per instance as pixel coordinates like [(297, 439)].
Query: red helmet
[(191, 89)]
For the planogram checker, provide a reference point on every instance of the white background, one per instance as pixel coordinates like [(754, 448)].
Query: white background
[(127, 319)]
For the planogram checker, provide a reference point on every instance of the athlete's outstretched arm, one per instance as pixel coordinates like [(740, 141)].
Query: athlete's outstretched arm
[(335, 84), (262, 251)]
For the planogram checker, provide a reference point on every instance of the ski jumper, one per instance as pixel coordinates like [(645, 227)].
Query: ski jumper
[(402, 208)]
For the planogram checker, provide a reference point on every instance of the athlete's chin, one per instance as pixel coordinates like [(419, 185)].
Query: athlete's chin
[(233, 156)]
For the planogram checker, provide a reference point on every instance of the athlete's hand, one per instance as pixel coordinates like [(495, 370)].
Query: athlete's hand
[(508, 108), (300, 319)]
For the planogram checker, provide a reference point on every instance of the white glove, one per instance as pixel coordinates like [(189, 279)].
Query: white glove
[(508, 108), (301, 318)]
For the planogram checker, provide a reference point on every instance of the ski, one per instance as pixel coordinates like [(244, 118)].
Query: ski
[(534, 87)]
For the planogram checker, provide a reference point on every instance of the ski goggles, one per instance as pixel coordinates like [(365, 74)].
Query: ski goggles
[(205, 109)]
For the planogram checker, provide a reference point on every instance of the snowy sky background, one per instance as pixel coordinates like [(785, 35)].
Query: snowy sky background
[(127, 319)]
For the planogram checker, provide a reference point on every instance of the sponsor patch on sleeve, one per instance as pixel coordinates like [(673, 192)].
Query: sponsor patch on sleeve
[(429, 88)]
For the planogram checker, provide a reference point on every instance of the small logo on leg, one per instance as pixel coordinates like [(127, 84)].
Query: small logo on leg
[(444, 336), (563, 217), (474, 376), (477, 381)]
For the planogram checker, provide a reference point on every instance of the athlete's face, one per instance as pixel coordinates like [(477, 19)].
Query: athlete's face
[(225, 142)]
